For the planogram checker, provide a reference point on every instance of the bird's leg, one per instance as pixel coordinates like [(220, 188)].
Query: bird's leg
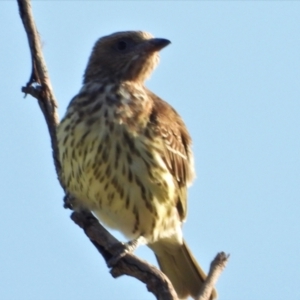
[(128, 247)]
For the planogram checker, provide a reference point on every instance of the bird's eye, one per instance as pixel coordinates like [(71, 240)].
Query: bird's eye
[(122, 45)]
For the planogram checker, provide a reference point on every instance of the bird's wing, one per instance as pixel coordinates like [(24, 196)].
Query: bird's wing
[(177, 152)]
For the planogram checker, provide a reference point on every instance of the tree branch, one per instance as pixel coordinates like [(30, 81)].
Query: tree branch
[(109, 247), (39, 87), (216, 268)]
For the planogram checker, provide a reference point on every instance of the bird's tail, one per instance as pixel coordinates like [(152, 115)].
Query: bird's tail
[(179, 264)]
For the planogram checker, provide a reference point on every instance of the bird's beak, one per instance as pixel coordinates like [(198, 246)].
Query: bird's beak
[(155, 44)]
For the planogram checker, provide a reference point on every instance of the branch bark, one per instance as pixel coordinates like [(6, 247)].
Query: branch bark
[(109, 247), (216, 268), (39, 87)]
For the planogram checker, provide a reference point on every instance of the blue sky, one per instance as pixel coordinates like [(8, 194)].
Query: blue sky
[(232, 72)]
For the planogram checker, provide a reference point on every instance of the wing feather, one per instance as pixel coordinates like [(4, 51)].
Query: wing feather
[(177, 152)]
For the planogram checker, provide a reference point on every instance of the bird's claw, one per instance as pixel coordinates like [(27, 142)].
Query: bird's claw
[(121, 249)]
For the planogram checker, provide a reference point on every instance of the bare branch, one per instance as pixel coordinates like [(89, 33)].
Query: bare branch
[(39, 85), (216, 268), (109, 247)]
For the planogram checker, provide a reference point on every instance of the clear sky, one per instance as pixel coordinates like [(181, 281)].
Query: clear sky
[(233, 73)]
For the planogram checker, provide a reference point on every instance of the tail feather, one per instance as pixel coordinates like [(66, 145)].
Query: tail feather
[(178, 263)]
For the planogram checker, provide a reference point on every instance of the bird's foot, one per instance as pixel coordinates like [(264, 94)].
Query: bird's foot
[(122, 249)]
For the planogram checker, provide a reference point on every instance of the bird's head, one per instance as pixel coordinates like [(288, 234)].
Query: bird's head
[(124, 56)]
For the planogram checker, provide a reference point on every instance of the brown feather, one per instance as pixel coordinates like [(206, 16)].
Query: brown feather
[(177, 153)]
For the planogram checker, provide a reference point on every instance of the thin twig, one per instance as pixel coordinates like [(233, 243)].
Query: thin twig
[(39, 85), (216, 268)]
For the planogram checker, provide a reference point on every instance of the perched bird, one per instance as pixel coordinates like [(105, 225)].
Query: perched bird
[(126, 154)]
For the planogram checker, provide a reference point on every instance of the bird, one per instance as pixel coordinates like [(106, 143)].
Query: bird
[(126, 154)]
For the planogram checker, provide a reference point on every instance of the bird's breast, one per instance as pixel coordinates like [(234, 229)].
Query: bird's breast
[(112, 163)]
